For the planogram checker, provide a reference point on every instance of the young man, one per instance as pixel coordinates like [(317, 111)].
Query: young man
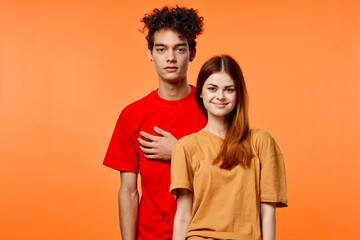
[(148, 128)]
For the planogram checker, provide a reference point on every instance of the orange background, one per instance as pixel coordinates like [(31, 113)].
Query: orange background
[(67, 68)]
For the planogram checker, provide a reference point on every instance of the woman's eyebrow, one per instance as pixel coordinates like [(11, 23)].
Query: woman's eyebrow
[(212, 84)]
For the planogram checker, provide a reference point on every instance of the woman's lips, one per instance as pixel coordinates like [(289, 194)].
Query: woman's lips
[(220, 105)]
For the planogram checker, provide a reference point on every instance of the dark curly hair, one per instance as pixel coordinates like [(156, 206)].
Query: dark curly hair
[(183, 20)]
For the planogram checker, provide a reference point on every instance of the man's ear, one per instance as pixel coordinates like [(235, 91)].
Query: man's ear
[(149, 53), (192, 55)]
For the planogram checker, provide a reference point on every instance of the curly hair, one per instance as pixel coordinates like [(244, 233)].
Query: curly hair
[(180, 19)]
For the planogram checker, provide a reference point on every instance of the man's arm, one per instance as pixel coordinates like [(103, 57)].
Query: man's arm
[(183, 214), (268, 220), (128, 205), (157, 147)]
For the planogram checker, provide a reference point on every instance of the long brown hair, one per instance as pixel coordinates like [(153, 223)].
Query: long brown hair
[(236, 148)]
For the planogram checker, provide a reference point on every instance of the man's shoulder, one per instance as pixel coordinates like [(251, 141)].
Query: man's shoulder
[(140, 102), (139, 105)]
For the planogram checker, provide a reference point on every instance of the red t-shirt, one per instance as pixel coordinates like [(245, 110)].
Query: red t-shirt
[(182, 117)]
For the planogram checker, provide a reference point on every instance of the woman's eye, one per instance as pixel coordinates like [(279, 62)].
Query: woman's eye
[(230, 90), (211, 89)]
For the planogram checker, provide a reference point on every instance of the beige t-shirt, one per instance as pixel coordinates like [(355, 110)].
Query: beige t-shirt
[(226, 203)]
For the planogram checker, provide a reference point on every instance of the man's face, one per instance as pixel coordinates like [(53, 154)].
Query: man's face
[(171, 55)]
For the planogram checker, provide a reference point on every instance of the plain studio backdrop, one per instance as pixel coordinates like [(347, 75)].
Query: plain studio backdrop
[(67, 69)]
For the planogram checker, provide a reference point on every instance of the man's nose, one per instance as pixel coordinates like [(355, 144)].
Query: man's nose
[(171, 56)]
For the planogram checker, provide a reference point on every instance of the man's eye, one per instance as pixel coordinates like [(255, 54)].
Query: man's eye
[(181, 49), (160, 49)]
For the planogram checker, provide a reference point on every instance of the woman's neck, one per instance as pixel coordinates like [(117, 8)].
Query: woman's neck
[(216, 125)]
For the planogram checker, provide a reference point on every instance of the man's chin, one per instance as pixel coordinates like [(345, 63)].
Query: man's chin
[(173, 80)]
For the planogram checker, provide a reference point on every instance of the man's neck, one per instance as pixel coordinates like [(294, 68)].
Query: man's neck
[(174, 91)]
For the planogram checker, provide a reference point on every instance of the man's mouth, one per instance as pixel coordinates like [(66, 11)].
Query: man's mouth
[(171, 69)]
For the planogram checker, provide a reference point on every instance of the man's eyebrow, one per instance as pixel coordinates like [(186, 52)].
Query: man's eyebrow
[(181, 45), (163, 45)]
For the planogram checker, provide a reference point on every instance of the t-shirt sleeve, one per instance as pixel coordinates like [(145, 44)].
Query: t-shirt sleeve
[(181, 170), (272, 171), (121, 154)]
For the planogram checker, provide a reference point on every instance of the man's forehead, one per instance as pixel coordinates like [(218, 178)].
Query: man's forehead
[(169, 37)]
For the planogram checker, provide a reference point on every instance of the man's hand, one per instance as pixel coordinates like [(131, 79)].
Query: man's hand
[(157, 147)]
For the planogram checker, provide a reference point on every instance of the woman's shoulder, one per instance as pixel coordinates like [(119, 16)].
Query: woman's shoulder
[(189, 143), (258, 134), (261, 139), (190, 139), (263, 143)]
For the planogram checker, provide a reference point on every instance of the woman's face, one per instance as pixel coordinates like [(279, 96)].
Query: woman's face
[(219, 95)]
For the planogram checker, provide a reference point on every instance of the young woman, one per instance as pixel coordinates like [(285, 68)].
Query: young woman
[(227, 179)]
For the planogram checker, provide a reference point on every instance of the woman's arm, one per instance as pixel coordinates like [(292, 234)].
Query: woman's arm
[(183, 214), (268, 220)]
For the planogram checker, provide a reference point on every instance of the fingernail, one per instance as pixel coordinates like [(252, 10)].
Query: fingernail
[(156, 128)]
